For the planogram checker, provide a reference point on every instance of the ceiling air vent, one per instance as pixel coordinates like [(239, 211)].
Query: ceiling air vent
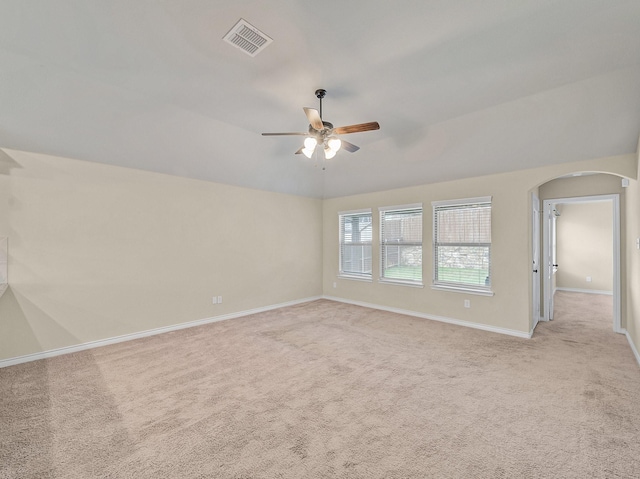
[(247, 38)]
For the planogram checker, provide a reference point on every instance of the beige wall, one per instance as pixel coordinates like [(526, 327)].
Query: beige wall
[(589, 185), (100, 251), (5, 164), (633, 261), (4, 199), (585, 246), (506, 225), (5, 168), (511, 258)]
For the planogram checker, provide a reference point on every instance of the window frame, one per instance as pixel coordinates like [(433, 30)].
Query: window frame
[(484, 290), (368, 277), (382, 211)]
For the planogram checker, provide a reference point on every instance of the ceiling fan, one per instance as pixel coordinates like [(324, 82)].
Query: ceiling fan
[(322, 133)]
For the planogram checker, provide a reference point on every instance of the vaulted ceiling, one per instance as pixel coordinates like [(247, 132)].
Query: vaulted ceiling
[(460, 87)]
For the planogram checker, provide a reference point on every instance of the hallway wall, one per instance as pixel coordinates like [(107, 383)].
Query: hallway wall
[(585, 247)]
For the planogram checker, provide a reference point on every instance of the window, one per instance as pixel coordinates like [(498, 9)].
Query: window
[(462, 244), (355, 244), (401, 244)]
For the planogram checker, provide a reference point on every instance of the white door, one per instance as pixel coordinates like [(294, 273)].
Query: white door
[(553, 265), (535, 270), (549, 256)]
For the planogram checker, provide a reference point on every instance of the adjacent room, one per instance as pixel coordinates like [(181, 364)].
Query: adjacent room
[(343, 239)]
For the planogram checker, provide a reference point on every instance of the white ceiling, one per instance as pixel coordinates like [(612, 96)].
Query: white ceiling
[(460, 87)]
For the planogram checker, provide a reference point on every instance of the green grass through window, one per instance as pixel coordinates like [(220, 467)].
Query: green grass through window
[(409, 273), (476, 277)]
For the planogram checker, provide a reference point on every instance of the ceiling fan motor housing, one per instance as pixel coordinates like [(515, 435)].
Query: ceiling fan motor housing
[(321, 134)]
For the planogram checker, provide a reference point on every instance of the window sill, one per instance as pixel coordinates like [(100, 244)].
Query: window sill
[(356, 278), (400, 283), (462, 289)]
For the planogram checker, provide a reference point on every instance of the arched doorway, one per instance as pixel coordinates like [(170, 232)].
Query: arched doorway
[(574, 192)]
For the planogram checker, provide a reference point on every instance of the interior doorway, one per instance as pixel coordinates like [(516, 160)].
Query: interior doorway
[(552, 211)]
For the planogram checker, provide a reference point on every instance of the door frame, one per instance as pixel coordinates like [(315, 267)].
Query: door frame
[(546, 242), (536, 269)]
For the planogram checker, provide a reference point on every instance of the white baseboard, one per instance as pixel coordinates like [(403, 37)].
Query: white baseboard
[(588, 291), (129, 337), (142, 334), (457, 322), (633, 346), (536, 321)]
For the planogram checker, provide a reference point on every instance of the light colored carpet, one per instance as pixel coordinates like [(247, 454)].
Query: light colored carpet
[(325, 390)]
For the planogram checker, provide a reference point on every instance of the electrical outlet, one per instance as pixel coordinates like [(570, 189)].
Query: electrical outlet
[(214, 300), (219, 299), (588, 279), (467, 303), (335, 285)]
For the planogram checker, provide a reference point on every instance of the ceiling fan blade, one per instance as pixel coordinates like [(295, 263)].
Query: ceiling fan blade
[(345, 145), (282, 134), (299, 151), (343, 130), (314, 118)]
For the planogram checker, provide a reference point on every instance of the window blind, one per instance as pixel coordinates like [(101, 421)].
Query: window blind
[(462, 243), (355, 244), (401, 244)]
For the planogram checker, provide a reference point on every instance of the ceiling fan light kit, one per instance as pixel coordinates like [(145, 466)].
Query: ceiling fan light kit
[(310, 143), (324, 134), (329, 153), (334, 143)]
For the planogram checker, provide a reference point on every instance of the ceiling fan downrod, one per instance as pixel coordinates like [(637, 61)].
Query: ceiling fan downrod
[(320, 93)]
